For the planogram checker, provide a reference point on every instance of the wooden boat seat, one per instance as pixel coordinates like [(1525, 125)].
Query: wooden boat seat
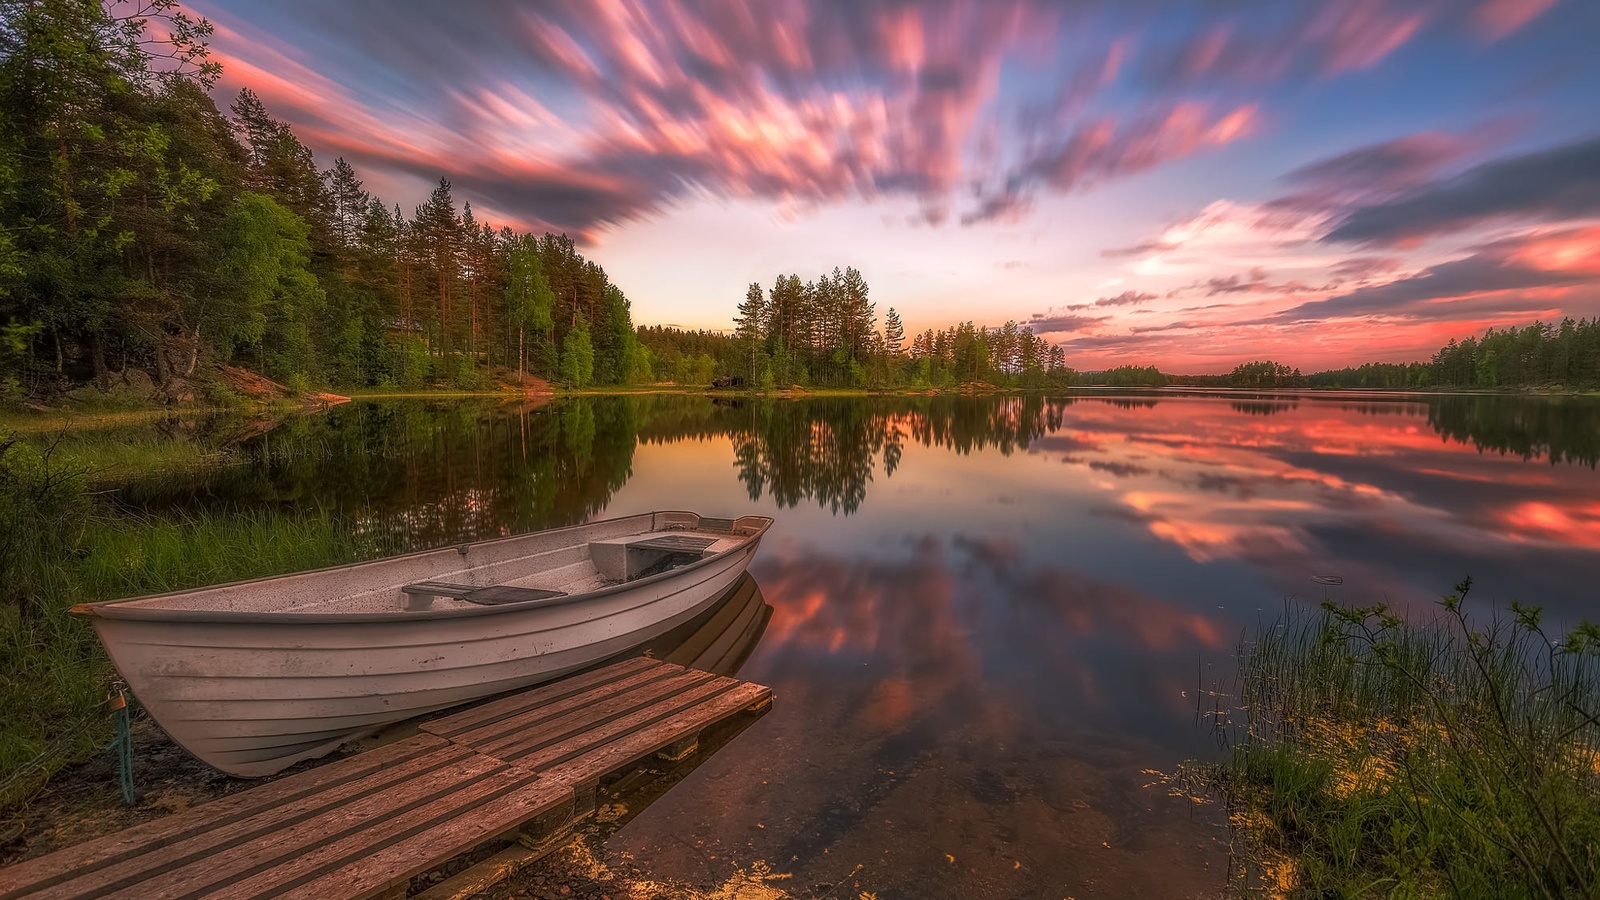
[(635, 556), (490, 595), (675, 543)]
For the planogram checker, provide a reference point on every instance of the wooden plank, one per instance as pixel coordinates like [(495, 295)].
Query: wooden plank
[(543, 716), (386, 852), (538, 753), (519, 743), (530, 699), (302, 812), (674, 543), (631, 747), (417, 851), (433, 795), (483, 875), (36, 874)]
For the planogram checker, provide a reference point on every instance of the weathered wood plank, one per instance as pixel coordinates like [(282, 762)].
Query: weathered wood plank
[(483, 875), (542, 717), (528, 700), (302, 812), (280, 853), (635, 745), (538, 753), (589, 718), (37, 874), (413, 845)]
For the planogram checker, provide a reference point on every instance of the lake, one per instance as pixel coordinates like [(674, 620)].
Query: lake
[(991, 614)]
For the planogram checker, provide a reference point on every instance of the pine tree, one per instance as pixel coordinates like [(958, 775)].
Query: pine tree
[(752, 314), (350, 203), (894, 332)]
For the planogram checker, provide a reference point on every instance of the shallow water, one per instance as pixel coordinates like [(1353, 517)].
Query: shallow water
[(991, 614)]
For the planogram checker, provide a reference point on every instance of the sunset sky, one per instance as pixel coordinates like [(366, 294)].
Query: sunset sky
[(1189, 183)]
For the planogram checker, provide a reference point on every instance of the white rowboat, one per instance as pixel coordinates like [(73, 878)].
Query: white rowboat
[(254, 676)]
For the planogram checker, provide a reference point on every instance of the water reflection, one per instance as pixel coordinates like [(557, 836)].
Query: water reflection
[(1394, 493)]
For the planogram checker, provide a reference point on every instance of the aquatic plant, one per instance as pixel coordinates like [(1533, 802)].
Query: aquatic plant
[(1373, 756), (60, 546)]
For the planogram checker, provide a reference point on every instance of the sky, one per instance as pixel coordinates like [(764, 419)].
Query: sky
[(1185, 183)]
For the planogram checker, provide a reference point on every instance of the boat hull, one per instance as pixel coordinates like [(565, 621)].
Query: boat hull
[(252, 698)]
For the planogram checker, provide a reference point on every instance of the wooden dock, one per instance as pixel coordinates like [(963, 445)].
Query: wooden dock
[(526, 765)]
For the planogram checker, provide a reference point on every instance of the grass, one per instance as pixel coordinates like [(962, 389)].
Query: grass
[(60, 545), (1369, 756)]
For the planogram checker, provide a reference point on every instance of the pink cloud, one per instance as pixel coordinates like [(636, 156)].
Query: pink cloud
[(1498, 18)]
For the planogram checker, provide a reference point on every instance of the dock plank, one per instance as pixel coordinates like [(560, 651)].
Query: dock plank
[(201, 845), (514, 745), (640, 687), (36, 874), (396, 863), (537, 752), (532, 698), (628, 748), (496, 740), (272, 851)]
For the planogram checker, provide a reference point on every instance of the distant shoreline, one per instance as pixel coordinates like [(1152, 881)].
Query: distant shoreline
[(35, 419)]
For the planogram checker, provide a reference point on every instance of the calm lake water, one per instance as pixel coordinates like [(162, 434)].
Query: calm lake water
[(991, 615)]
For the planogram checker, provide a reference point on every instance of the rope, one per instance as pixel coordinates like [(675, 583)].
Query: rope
[(122, 744)]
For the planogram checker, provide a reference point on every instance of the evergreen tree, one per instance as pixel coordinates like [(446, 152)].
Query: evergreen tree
[(894, 332), (747, 325)]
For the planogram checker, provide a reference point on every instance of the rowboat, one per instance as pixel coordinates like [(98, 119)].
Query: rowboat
[(254, 676)]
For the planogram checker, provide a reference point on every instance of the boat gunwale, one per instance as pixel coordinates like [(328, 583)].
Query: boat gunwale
[(117, 609)]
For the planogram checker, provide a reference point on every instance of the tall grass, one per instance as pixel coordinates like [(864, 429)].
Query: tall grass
[(59, 547), (1370, 756)]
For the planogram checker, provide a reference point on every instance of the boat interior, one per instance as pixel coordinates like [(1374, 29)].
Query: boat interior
[(527, 568)]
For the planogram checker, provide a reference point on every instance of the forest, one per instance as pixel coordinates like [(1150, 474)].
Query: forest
[(146, 230), (1537, 355), (824, 333), (1540, 355)]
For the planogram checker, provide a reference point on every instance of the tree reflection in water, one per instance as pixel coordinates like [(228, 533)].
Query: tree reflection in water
[(434, 472)]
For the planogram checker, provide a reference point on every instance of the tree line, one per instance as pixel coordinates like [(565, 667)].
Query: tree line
[(145, 229), (825, 332), (1538, 355)]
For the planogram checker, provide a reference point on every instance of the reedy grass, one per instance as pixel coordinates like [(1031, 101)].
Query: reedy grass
[(59, 547), (1369, 756)]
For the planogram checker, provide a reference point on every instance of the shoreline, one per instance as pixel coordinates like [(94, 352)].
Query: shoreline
[(41, 419)]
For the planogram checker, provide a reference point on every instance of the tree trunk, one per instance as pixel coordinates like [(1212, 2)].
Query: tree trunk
[(194, 352), (97, 352)]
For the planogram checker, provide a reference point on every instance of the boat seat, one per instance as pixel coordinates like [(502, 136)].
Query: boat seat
[(635, 556), (490, 595), (675, 543)]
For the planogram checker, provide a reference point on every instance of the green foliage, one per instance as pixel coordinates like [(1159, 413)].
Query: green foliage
[(577, 358), (1375, 756), (1125, 376), (60, 546), (825, 332), (1264, 374), (145, 229), (1537, 355)]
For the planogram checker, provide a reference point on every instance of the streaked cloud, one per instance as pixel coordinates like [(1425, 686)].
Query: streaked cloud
[(1557, 184)]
